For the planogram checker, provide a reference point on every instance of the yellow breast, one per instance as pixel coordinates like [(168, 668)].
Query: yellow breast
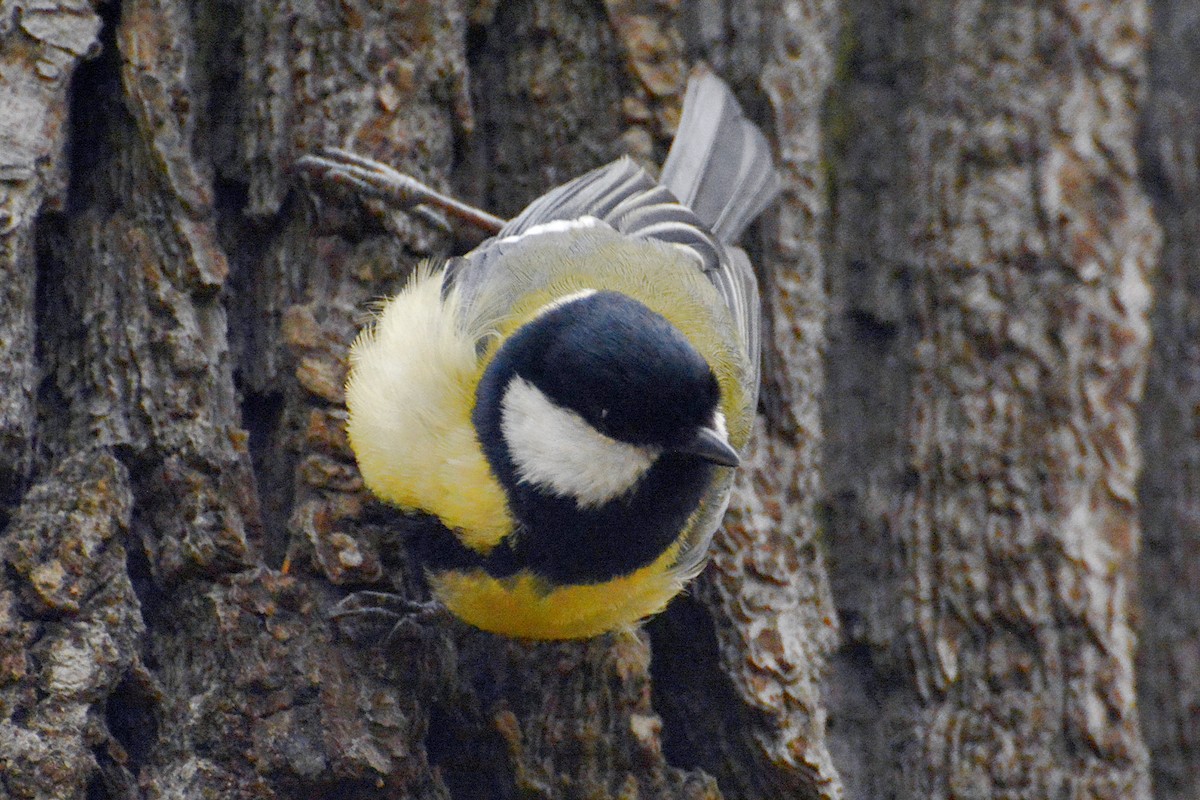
[(525, 607)]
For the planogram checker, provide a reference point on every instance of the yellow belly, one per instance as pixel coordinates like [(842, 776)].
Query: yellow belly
[(524, 607)]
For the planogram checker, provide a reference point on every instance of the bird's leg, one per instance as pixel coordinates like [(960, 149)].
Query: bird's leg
[(370, 613), (375, 179)]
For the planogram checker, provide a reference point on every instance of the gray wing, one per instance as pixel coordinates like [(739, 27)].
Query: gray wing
[(720, 164), (718, 177), (622, 195), (626, 198)]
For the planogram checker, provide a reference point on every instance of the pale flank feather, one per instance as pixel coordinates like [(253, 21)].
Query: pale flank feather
[(413, 377)]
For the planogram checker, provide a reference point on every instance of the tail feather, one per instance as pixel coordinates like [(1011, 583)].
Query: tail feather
[(720, 164)]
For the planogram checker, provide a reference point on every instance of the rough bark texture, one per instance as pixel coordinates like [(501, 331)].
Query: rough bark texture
[(924, 585), (40, 48), (1169, 658), (988, 346)]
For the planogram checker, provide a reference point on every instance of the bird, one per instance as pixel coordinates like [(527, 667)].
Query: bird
[(570, 398)]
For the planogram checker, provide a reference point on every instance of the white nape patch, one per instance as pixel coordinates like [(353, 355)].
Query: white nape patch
[(554, 226), (562, 301), (554, 448)]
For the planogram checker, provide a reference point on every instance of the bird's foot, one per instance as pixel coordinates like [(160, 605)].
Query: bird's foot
[(375, 179), (388, 619)]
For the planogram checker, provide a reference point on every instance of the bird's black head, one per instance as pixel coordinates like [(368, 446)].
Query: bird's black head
[(602, 423), (626, 370)]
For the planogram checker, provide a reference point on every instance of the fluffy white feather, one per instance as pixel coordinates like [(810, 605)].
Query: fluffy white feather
[(410, 394)]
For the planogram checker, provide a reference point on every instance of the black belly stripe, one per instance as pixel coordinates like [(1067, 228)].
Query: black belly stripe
[(567, 544)]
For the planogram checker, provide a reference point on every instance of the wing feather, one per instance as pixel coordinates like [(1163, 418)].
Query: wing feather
[(718, 177)]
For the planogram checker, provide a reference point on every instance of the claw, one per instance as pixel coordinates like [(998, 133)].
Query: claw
[(375, 179), (405, 620)]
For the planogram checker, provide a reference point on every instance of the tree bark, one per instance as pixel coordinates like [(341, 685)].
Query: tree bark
[(926, 582), (1169, 658), (988, 344)]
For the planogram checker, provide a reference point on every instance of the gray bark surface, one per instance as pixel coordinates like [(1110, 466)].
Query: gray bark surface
[(1168, 666), (988, 343), (928, 580)]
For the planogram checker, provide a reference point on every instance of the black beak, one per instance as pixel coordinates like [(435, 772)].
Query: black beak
[(711, 446)]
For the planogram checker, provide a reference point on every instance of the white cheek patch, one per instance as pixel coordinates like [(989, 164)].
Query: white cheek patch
[(555, 449)]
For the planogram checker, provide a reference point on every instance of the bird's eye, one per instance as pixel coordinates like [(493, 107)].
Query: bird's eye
[(604, 413)]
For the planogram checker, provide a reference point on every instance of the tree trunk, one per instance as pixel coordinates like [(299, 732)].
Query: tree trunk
[(926, 582), (987, 351), (1169, 657)]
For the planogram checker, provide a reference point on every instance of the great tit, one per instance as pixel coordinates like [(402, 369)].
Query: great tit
[(569, 398)]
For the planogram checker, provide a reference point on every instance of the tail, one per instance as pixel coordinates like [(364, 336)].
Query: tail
[(720, 164)]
